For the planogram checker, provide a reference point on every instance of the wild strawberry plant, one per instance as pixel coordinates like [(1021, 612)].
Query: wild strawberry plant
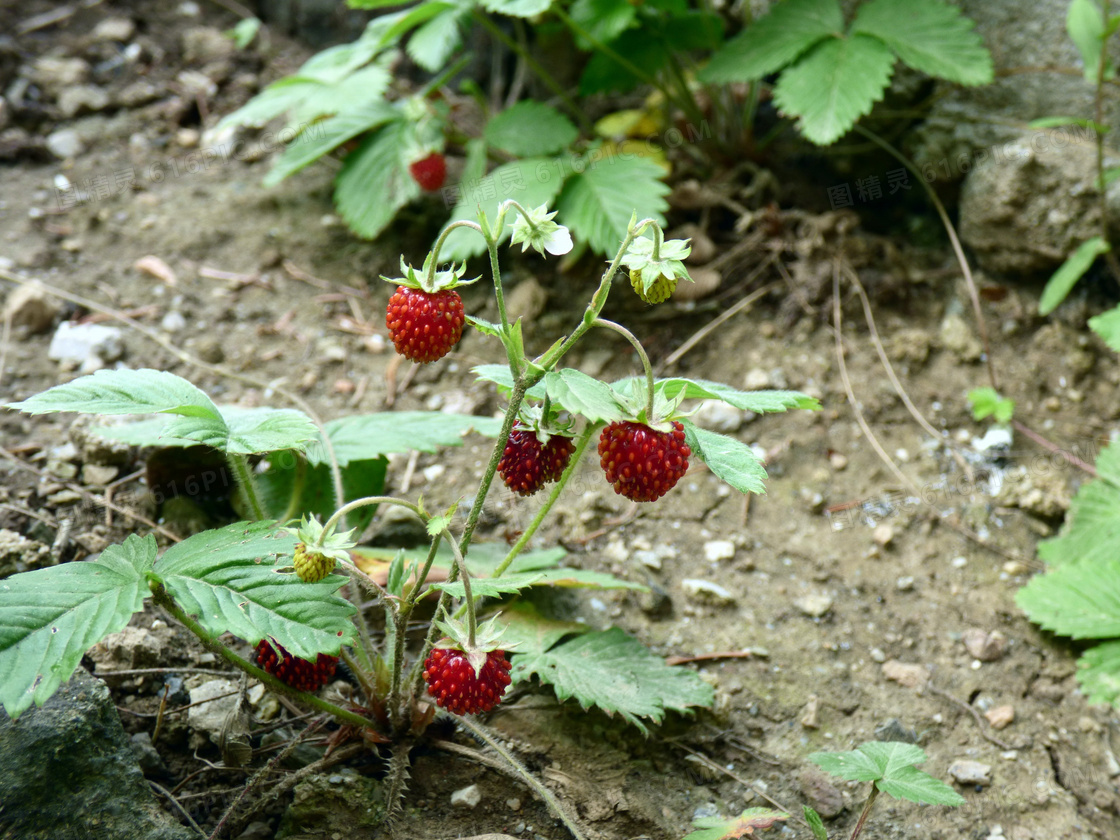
[(395, 140), (274, 580)]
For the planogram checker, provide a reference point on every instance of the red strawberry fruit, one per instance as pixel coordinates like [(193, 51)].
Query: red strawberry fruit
[(641, 463), (424, 325), (453, 683), (429, 172), (527, 465), (555, 456), (300, 674)]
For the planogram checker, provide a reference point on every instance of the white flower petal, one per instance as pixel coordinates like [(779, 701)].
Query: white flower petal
[(559, 242)]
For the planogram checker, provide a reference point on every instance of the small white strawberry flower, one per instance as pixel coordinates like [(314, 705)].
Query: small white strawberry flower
[(537, 230)]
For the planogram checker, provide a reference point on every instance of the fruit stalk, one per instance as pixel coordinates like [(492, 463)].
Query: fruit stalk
[(160, 596), (646, 366), (239, 466)]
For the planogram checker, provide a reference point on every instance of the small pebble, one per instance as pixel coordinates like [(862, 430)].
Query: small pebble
[(987, 647), (906, 674), (905, 583), (467, 797), (883, 535), (706, 591), (959, 562), (968, 772), (838, 460), (814, 605), (718, 550), (1000, 717)]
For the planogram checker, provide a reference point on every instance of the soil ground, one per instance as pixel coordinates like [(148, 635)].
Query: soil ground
[(838, 573)]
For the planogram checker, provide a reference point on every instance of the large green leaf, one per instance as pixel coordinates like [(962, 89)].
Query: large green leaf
[(581, 394), (563, 578), (50, 617), (328, 135), (365, 436), (597, 203), (1099, 674), (1080, 600), (433, 43), (1063, 280), (532, 182), (374, 183), (232, 581), (614, 672), (835, 85), (530, 128), (760, 402), (931, 36), (773, 41), (604, 20), (1091, 533), (1085, 25), (360, 478), (110, 392), (525, 630), (729, 459), (362, 88)]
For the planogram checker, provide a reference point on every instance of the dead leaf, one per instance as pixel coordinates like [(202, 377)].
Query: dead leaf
[(157, 268)]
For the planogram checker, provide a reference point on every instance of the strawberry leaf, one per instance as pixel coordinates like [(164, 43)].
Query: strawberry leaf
[(328, 135), (1063, 280), (614, 672), (582, 394), (365, 436), (1107, 326), (517, 8), (110, 392), (729, 459), (374, 182), (50, 617), (1091, 533), (1099, 673), (1079, 600), (744, 825), (890, 765), (433, 43), (530, 128), (527, 631), (598, 202)]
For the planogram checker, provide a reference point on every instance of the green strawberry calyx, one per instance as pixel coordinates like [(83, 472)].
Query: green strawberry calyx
[(487, 638), (335, 546), (650, 265), (429, 279)]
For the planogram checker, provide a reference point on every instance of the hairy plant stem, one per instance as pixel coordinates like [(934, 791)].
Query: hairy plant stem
[(598, 300), (366, 648), (400, 628), (865, 813), (365, 501), (468, 598), (239, 465), (646, 366), (160, 596), (362, 675), (430, 277), (542, 74), (298, 481)]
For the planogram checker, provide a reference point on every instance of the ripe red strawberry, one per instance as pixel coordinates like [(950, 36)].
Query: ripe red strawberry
[(455, 686), (641, 463), (555, 456), (429, 172), (424, 326), (301, 674), (526, 466)]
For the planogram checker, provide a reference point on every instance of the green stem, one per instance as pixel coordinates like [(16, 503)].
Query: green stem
[(365, 501), (360, 673), (865, 813), (429, 278), (598, 300), (239, 465), (400, 630), (442, 79), (1098, 117), (646, 366), (536, 67), (367, 649), (161, 597), (468, 598), (293, 509), (658, 238), (581, 446)]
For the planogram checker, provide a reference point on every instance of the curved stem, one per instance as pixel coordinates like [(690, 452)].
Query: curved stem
[(429, 278), (598, 300), (646, 366), (297, 489), (468, 598), (534, 65), (239, 465), (160, 596), (658, 238), (557, 489), (329, 525)]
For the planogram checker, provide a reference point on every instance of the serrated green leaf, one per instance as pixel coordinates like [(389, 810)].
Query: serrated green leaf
[(530, 128), (604, 20), (1063, 280), (834, 85), (914, 785), (374, 183), (760, 402), (717, 828), (394, 583), (257, 430), (366, 436), (433, 43), (1079, 600), (563, 578), (278, 98), (517, 8), (50, 617), (362, 87), (490, 587), (328, 135), (1091, 533), (336, 63), (614, 672), (230, 580), (111, 392), (532, 182), (730, 460), (773, 41), (598, 202), (1085, 25), (931, 36), (581, 394), (1107, 326), (816, 824), (500, 375), (527, 631), (1099, 673)]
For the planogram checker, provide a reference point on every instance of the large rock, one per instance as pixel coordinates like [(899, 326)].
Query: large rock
[(68, 772)]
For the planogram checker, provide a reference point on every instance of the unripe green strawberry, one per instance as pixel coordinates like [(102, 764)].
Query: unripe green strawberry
[(659, 292), (311, 566)]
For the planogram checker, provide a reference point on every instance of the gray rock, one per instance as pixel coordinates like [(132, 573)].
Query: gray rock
[(82, 98), (985, 646), (1027, 209), (704, 591), (717, 550), (19, 554), (203, 44), (526, 300), (824, 797), (467, 797), (958, 339), (54, 74), (132, 647), (321, 809), (146, 755), (114, 29), (75, 343), (30, 307), (718, 416), (64, 143), (209, 715), (138, 93), (814, 605), (67, 772), (968, 772)]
